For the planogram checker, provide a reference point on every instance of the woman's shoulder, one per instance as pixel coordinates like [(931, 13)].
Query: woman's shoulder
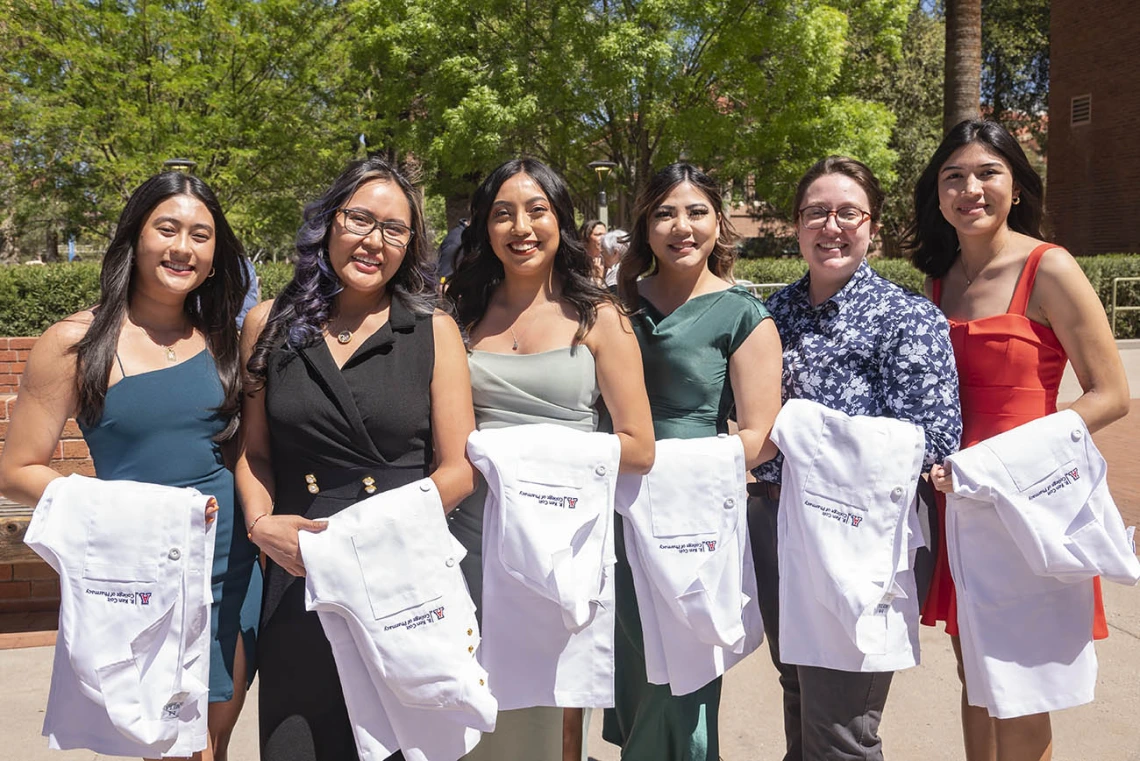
[(737, 299), (69, 331)]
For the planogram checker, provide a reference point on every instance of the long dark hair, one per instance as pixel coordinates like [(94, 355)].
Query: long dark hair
[(479, 271), (301, 310), (587, 228), (639, 260), (929, 239), (212, 307)]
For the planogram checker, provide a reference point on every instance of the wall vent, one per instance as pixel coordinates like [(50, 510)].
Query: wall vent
[(1081, 110)]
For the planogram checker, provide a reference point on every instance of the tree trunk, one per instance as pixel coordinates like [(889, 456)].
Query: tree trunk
[(51, 246), (963, 73)]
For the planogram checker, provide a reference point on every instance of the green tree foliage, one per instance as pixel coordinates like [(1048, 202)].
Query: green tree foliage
[(752, 89), (97, 93), (1015, 64)]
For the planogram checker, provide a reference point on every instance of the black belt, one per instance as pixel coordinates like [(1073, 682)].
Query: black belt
[(765, 489)]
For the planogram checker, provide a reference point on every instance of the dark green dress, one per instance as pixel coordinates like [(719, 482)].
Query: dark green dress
[(686, 374)]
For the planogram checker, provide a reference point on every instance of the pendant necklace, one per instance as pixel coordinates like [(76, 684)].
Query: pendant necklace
[(514, 337), (344, 336), (170, 355)]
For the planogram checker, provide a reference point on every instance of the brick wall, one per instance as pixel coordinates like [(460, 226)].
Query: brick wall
[(28, 587), (1094, 169)]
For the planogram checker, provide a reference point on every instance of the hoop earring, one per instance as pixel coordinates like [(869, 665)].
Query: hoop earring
[(1016, 200), (211, 273)]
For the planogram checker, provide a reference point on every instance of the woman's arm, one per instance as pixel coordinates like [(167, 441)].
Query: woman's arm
[(755, 371), (621, 379), (46, 399), (1064, 299), (275, 534), (452, 416)]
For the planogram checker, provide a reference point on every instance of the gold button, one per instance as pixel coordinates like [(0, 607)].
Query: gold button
[(368, 480), (470, 632), (481, 682), (370, 489), (310, 478), (471, 649), (313, 488)]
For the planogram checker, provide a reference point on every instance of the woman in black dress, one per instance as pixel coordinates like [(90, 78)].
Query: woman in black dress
[(355, 384)]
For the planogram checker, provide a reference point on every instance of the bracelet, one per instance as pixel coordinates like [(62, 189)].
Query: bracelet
[(249, 532)]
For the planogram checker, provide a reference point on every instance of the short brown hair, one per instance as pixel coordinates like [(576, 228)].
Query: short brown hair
[(848, 167)]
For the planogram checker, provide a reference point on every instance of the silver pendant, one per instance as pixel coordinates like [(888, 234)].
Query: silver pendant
[(344, 336)]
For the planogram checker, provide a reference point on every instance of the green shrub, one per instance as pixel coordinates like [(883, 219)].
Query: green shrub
[(33, 297)]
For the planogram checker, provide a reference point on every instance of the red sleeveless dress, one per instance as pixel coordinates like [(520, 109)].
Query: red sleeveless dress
[(1009, 370)]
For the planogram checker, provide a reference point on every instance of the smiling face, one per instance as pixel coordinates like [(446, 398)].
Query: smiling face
[(366, 263), (175, 248), (833, 254), (975, 190), (522, 227), (683, 228)]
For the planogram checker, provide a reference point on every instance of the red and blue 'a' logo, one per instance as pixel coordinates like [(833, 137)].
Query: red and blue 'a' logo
[(1075, 474), (571, 502), (711, 546), (144, 597), (856, 520), (438, 613)]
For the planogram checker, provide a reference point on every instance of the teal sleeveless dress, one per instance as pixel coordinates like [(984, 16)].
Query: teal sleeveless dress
[(157, 427), (685, 354)]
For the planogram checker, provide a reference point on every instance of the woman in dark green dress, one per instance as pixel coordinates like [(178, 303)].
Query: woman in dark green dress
[(708, 348)]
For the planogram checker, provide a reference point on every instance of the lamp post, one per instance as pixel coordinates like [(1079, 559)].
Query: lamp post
[(602, 168), (179, 165)]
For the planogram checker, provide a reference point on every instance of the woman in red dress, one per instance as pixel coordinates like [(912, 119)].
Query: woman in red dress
[(1019, 309)]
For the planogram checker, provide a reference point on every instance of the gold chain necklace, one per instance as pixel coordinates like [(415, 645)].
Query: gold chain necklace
[(514, 337)]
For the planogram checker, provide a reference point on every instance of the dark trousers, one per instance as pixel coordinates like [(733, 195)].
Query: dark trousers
[(828, 715)]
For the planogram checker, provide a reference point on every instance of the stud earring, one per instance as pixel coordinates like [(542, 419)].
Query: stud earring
[(1016, 200)]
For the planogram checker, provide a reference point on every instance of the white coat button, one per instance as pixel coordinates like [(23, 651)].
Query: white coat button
[(722, 435), (600, 470), (1076, 435), (174, 554), (425, 486), (729, 503), (896, 493), (450, 563)]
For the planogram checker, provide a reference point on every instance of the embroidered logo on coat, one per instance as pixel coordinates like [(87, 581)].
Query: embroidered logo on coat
[(551, 500), (1075, 474), (1057, 484), (144, 597), (711, 546), (438, 613), (856, 520)]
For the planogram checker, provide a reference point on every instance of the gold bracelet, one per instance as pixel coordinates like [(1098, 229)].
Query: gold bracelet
[(249, 532)]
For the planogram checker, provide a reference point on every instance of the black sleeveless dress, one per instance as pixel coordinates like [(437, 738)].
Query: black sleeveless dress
[(330, 430)]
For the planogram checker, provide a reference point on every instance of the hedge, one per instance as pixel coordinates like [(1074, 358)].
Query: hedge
[(33, 297)]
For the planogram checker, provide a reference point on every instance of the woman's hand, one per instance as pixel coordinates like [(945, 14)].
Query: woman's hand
[(940, 478), (276, 536), (211, 510)]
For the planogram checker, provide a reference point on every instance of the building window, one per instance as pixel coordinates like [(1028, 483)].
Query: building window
[(1081, 110)]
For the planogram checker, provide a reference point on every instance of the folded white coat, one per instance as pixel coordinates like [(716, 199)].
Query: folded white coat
[(686, 539), (1029, 524), (384, 578), (548, 598), (131, 661), (848, 530)]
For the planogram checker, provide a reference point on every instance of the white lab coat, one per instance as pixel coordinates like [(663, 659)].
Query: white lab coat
[(548, 558), (1029, 524), (384, 578), (686, 539), (848, 530), (131, 669)]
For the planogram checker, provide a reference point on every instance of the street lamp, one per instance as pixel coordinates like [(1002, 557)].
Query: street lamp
[(602, 168), (179, 165)]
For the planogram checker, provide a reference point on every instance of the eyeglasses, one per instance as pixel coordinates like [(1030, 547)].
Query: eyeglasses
[(846, 217), (362, 223)]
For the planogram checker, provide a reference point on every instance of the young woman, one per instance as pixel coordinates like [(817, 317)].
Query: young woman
[(1019, 309), (707, 348), (152, 374), (859, 344), (590, 234), (547, 345), (354, 384)]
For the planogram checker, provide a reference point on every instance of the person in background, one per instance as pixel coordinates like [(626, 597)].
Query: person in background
[(152, 374), (613, 247), (1019, 310), (449, 250), (590, 234), (253, 295), (707, 347), (547, 344), (861, 345), (355, 383)]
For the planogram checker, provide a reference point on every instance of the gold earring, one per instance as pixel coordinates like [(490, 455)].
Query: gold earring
[(1016, 200), (211, 273)]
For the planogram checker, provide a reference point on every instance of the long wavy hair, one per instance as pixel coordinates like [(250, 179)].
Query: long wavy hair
[(639, 260), (212, 307), (931, 241), (479, 271), (302, 309)]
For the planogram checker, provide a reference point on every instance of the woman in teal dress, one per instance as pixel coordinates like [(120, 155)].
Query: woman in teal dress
[(708, 349), (546, 342), (151, 373)]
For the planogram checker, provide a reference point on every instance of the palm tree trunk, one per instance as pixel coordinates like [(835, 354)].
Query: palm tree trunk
[(963, 78)]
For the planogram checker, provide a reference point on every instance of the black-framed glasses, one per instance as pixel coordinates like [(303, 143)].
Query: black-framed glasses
[(846, 217), (362, 223)]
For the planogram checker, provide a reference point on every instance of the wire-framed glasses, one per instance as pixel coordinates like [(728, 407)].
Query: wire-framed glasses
[(359, 222), (846, 217)]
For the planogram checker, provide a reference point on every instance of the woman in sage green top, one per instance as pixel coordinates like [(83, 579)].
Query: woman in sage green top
[(546, 342), (707, 348)]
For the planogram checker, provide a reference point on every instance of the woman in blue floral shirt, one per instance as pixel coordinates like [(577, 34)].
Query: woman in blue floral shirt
[(862, 345)]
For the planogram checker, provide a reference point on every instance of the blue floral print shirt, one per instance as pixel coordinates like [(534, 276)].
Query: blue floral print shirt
[(873, 348)]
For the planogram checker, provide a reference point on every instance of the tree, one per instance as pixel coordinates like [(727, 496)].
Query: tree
[(99, 93), (963, 71), (1015, 71), (753, 89)]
